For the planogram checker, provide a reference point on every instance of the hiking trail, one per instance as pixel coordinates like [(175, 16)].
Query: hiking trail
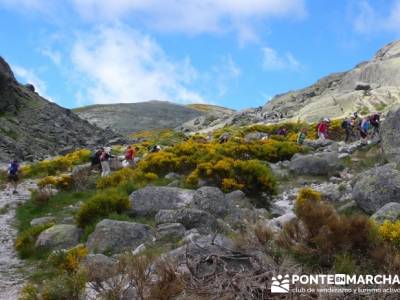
[(11, 275)]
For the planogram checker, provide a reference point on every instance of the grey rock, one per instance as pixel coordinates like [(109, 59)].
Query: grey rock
[(318, 164), (277, 224), (390, 211), (237, 198), (376, 187), (99, 267), (118, 236), (211, 200), (171, 230), (255, 136), (43, 220), (149, 200), (173, 176), (349, 205), (59, 237), (190, 218), (390, 135)]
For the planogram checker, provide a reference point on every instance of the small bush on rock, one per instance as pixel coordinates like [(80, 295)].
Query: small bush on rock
[(101, 205)]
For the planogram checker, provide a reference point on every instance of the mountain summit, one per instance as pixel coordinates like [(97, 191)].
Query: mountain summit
[(32, 127)]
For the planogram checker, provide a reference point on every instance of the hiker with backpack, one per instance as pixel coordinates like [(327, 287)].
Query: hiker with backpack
[(301, 136), (95, 158), (322, 129), (130, 156), (105, 161), (374, 120), (12, 176), (348, 128), (364, 128)]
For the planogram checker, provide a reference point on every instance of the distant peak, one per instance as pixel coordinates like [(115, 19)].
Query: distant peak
[(5, 69), (389, 51)]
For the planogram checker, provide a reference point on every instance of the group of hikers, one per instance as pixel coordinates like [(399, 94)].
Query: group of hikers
[(103, 158), (354, 127)]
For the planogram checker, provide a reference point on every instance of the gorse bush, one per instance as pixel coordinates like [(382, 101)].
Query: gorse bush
[(390, 231), (68, 260), (62, 182), (102, 204), (56, 165)]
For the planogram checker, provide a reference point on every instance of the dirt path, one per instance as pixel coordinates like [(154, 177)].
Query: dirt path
[(11, 277)]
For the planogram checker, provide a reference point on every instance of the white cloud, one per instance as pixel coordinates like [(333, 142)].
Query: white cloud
[(29, 76), (369, 20), (273, 61), (194, 16), (119, 64)]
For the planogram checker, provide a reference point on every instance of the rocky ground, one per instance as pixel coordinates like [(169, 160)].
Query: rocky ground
[(11, 267)]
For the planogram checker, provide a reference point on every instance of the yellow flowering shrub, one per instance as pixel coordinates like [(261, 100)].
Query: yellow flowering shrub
[(64, 181), (390, 231), (57, 164), (69, 260)]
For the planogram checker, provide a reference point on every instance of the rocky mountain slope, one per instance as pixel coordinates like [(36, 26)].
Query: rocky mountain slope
[(32, 127), (127, 118), (370, 86)]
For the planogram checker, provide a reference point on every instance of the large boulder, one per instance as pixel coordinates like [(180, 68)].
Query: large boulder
[(150, 200), (99, 267), (211, 200), (59, 237), (390, 211), (390, 135), (317, 164), (190, 218), (376, 187), (118, 236)]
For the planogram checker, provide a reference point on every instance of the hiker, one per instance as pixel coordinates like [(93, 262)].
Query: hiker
[(155, 148), (364, 127), (95, 159), (105, 161), (374, 120), (12, 176), (224, 138), (356, 123), (282, 131), (322, 129), (130, 156), (348, 128), (301, 136)]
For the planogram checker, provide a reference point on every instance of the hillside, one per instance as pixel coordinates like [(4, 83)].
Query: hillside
[(370, 86), (128, 118), (32, 127)]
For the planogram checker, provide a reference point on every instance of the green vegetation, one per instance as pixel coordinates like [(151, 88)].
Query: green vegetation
[(56, 165), (101, 205), (55, 206), (25, 243)]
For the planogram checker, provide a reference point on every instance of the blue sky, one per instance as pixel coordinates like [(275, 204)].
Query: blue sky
[(235, 53)]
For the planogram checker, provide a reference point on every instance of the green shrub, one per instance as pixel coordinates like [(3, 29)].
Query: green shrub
[(101, 205), (25, 243)]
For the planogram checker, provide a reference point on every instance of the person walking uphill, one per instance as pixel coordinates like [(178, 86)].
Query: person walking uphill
[(375, 122), (301, 136), (322, 129), (130, 156), (105, 162), (12, 176)]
